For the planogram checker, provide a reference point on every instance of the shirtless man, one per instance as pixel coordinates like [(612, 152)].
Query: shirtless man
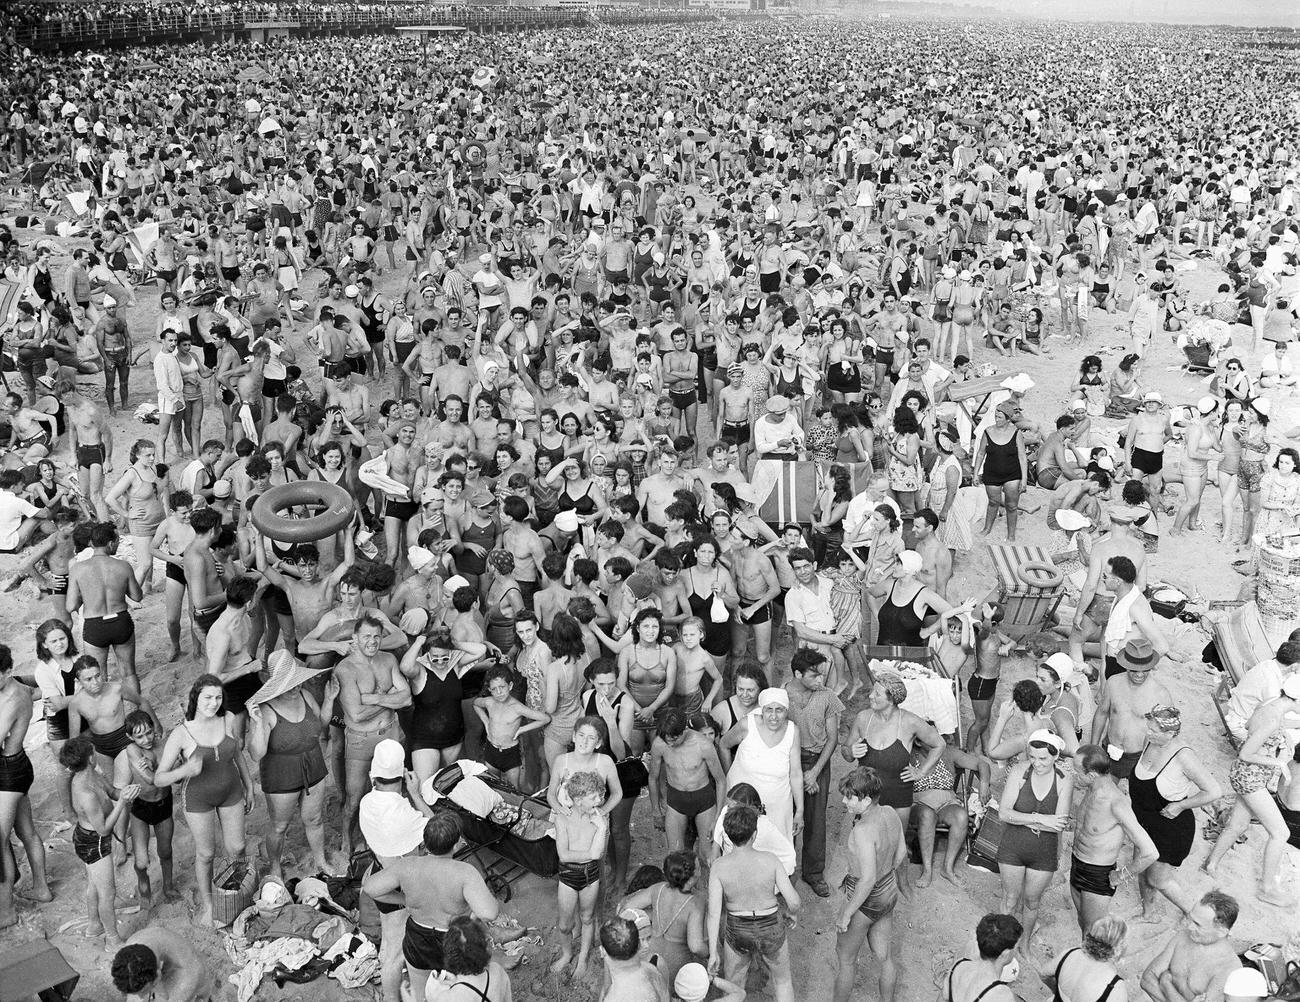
[(523, 543), (1131, 624), (402, 460), (27, 426), (657, 491), (351, 397), (452, 433), (99, 703), (243, 383), (1096, 599), (101, 586), (736, 412), (758, 587), (1120, 722), (451, 379), (285, 430), (163, 966), (1056, 460), (630, 978), (1144, 441), (686, 763), (670, 588), (207, 593), (92, 838), (16, 778), (553, 597), (55, 551), (681, 374), (92, 444), (1198, 958), (745, 882), (371, 691), (1104, 817), (229, 652), (437, 889), (876, 851), (336, 624), (936, 559), (310, 595), (170, 540)]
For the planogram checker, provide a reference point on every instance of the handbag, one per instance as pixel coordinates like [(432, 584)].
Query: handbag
[(718, 611), (983, 851)]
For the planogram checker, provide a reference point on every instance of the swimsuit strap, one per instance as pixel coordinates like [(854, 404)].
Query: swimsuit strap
[(1109, 988), (951, 972), (482, 992)]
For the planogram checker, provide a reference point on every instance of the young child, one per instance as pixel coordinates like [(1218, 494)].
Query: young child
[(580, 838), (152, 809), (504, 719)]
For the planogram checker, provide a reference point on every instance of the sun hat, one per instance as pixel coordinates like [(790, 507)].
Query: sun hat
[(285, 674), (1138, 655), (388, 761), (778, 404), (1071, 520)]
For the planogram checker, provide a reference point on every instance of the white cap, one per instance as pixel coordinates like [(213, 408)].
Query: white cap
[(352, 292), (1207, 405), (1048, 738), (773, 696), (1262, 406), (454, 582), (388, 761), (567, 521), (1152, 397), (1060, 663), (692, 983), (910, 561), (419, 558), (1246, 983)]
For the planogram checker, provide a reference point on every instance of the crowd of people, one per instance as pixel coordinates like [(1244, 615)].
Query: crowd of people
[(549, 325)]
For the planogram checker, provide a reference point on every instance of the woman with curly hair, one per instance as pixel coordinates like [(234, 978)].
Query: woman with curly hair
[(904, 469)]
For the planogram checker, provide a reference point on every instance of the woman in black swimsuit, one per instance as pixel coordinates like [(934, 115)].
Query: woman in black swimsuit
[(1000, 465), (907, 603), (1087, 973)]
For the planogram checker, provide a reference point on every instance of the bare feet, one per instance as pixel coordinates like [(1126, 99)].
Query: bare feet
[(562, 961), (948, 875), (175, 654), (205, 919), (170, 895), (926, 879)]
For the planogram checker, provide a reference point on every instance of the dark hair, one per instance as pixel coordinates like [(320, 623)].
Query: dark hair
[(889, 514), (50, 625), (240, 592), (740, 824), (751, 670), (1093, 760), (1027, 696), (135, 968), (805, 658), (205, 520), (864, 783), (1288, 652), (466, 947), (679, 868), (1294, 456), (1224, 906), (645, 875), (77, 753), (1122, 567), (619, 939), (671, 723), (641, 617), (441, 832), (201, 683), (996, 934), (747, 796), (566, 638), (601, 666)]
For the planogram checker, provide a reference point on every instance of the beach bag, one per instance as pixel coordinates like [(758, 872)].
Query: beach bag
[(718, 611)]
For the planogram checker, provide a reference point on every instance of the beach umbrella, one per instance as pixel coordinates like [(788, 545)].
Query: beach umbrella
[(483, 77), (267, 126)]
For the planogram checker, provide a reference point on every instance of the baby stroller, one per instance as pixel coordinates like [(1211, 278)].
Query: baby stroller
[(513, 837)]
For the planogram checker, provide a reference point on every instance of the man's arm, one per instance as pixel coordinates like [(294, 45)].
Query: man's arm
[(1156, 976), (1144, 849)]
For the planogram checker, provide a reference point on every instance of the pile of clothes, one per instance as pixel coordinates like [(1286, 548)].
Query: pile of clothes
[(298, 933)]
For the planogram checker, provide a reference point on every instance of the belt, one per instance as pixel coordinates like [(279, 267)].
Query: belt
[(753, 914), (378, 730)]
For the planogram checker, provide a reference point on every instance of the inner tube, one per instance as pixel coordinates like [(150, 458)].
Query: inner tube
[(1037, 574), (338, 505)]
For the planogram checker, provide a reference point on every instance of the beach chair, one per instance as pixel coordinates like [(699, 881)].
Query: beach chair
[(1031, 588), (1221, 696), (1241, 641)]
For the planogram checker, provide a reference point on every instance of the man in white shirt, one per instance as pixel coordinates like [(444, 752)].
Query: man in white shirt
[(1259, 685), (392, 825), (18, 522), (808, 609), (777, 434)]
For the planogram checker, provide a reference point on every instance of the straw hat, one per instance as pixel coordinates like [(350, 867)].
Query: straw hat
[(285, 674)]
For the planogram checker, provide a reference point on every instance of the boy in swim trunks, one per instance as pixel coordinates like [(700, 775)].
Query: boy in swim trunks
[(504, 719), (580, 839), (151, 811), (92, 838), (870, 888), (686, 763)]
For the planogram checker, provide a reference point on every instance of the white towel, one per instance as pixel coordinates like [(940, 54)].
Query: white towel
[(932, 699), (1121, 618)]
